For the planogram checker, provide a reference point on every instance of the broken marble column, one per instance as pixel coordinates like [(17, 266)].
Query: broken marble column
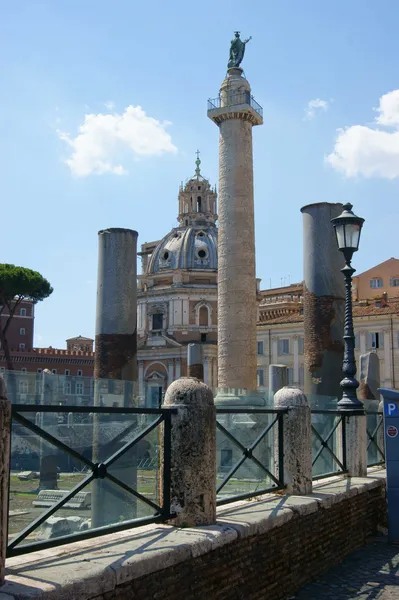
[(48, 422), (323, 304), (5, 438), (195, 366), (278, 377), (115, 359), (193, 452), (297, 442)]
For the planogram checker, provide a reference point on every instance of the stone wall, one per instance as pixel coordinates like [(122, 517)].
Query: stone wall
[(258, 549)]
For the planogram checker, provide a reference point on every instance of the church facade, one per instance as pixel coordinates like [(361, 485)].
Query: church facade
[(177, 293)]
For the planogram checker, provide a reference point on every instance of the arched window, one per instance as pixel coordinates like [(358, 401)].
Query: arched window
[(199, 208), (157, 321), (203, 316)]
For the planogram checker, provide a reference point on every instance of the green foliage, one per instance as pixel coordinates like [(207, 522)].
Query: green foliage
[(18, 283)]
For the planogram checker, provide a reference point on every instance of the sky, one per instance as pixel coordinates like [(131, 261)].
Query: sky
[(103, 106)]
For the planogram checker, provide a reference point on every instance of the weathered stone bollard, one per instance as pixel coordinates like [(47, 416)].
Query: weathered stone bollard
[(297, 440), (193, 452), (356, 445), (5, 435)]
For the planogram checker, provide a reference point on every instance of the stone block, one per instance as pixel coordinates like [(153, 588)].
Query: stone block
[(49, 497), (58, 526), (28, 475)]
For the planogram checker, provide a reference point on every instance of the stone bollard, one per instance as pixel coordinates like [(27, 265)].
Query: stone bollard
[(356, 445), (5, 441), (297, 441), (193, 452)]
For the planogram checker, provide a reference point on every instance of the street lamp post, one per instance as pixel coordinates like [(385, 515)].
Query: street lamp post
[(347, 230)]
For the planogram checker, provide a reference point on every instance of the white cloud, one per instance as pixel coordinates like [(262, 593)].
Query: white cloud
[(110, 105), (315, 105), (102, 137), (369, 150)]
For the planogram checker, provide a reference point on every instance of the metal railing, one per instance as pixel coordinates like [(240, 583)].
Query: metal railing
[(328, 443), (109, 453), (375, 439), (235, 100), (250, 453)]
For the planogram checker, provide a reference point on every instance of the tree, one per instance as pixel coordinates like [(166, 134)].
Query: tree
[(18, 284)]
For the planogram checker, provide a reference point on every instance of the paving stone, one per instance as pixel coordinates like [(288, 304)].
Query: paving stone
[(372, 573)]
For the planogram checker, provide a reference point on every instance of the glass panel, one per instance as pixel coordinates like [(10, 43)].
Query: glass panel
[(325, 463), (42, 473), (249, 477), (352, 235), (340, 233)]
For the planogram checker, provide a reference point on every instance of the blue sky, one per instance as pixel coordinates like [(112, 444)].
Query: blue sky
[(64, 65)]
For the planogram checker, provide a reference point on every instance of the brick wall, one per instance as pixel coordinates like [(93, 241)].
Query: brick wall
[(273, 565)]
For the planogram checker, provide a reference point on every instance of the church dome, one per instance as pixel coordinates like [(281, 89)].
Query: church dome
[(191, 247)]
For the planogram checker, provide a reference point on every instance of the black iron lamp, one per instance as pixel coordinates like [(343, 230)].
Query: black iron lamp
[(348, 228)]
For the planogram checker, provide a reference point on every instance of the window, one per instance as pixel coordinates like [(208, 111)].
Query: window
[(2, 369), (79, 388), (23, 387), (356, 340), (199, 204), (23, 370), (226, 458), (22, 312), (202, 254), (203, 316), (54, 371), (22, 347), (283, 347), (39, 370), (394, 281), (79, 373), (260, 348), (199, 188), (67, 387), (157, 321), (260, 377), (22, 331), (301, 375), (301, 345), (377, 282), (375, 340), (67, 372), (203, 337)]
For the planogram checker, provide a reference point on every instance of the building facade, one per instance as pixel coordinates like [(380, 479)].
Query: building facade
[(177, 293), (20, 330), (377, 281)]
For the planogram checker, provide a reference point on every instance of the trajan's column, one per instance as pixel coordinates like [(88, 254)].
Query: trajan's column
[(235, 112)]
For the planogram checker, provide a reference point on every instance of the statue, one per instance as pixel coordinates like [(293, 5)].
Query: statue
[(237, 50)]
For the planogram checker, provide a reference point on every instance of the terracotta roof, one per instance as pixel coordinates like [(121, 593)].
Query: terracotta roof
[(371, 309), (291, 318)]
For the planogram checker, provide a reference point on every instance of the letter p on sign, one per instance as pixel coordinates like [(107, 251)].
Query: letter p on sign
[(391, 409)]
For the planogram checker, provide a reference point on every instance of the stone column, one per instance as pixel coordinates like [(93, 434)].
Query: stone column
[(297, 440), (324, 301), (237, 309), (141, 382), (193, 452), (356, 445), (274, 349), (5, 447), (387, 358), (116, 315), (278, 377), (171, 370), (177, 368), (296, 359), (115, 358), (362, 341), (195, 367)]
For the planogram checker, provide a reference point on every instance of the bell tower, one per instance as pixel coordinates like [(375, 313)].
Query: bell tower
[(197, 200)]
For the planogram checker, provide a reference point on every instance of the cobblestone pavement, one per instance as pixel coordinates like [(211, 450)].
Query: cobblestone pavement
[(371, 573)]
